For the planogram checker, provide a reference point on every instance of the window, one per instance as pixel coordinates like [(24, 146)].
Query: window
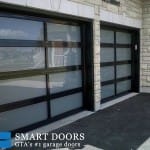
[(116, 63), (40, 70)]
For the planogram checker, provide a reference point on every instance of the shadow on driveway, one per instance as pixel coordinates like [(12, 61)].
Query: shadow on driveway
[(125, 126)]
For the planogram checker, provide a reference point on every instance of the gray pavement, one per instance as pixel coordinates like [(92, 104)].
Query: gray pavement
[(124, 126)]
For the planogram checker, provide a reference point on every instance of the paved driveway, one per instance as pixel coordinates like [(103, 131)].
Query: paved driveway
[(125, 126)]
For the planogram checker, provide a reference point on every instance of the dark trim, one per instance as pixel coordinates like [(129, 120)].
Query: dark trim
[(123, 45), (104, 64), (114, 2), (123, 62), (88, 66), (47, 75), (111, 45), (62, 44), (36, 72), (20, 74), (65, 93), (83, 59), (20, 43), (33, 43), (21, 103), (45, 122), (107, 45), (117, 80), (115, 63), (107, 82), (64, 69), (117, 27), (136, 61)]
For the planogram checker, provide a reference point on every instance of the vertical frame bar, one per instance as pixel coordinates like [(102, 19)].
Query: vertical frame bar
[(89, 65), (82, 35), (115, 62), (47, 75), (135, 61)]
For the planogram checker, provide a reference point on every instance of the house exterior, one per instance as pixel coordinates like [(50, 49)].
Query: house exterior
[(59, 57)]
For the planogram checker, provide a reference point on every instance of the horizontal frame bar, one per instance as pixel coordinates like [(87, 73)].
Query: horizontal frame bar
[(64, 69), (22, 103), (21, 43), (106, 45), (104, 64), (33, 43), (117, 80), (65, 93), (36, 72), (111, 45), (123, 46), (63, 44)]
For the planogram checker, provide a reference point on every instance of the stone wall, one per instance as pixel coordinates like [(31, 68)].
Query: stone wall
[(129, 8), (145, 44)]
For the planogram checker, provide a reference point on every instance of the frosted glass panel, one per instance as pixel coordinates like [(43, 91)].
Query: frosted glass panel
[(123, 54), (107, 36), (123, 70), (22, 88), (24, 116), (21, 58), (65, 81), (123, 86), (64, 57), (107, 73), (67, 103), (107, 54), (11, 28), (123, 38), (108, 91), (61, 32)]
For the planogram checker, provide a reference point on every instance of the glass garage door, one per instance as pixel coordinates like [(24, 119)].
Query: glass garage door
[(40, 71), (116, 60)]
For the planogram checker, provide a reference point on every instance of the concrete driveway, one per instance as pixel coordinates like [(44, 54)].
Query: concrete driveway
[(125, 126)]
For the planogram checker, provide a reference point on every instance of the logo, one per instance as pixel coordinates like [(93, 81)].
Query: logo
[(5, 139)]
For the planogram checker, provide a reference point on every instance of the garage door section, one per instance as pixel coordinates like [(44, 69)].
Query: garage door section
[(116, 63), (40, 70)]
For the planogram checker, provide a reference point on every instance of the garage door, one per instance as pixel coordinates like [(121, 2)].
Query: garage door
[(40, 70), (117, 63)]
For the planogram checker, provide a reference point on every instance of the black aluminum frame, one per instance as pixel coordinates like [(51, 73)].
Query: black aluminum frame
[(135, 59), (87, 73)]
